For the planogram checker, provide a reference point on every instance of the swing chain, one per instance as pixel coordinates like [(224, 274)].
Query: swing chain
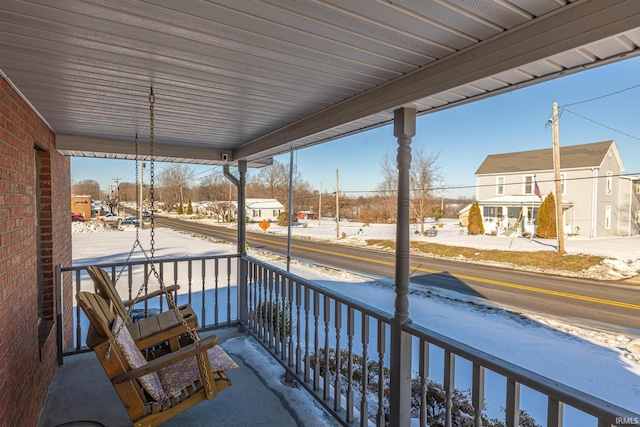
[(168, 296), (152, 100), (204, 370), (151, 259)]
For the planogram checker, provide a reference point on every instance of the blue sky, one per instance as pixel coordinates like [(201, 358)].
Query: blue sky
[(465, 135)]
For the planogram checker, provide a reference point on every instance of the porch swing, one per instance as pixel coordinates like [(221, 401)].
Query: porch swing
[(173, 379), (150, 328)]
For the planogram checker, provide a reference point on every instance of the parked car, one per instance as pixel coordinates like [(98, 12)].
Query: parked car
[(126, 224), (76, 217), (133, 219), (110, 217)]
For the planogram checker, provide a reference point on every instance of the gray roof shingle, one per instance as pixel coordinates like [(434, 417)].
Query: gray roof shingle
[(573, 156)]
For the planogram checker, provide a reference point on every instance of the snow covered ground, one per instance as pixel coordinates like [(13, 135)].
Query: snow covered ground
[(622, 253), (598, 362)]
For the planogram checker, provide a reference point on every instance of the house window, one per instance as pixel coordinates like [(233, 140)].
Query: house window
[(638, 216), (276, 212), (500, 185), (41, 288), (256, 213), (488, 211), (563, 179), (607, 217), (609, 183), (637, 187), (527, 181)]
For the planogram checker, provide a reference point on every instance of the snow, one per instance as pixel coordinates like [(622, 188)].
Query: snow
[(597, 361)]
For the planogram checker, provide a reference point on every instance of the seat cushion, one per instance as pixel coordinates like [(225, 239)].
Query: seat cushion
[(181, 374), (150, 382)]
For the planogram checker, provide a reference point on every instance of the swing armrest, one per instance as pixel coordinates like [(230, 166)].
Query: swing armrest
[(167, 360), (153, 294)]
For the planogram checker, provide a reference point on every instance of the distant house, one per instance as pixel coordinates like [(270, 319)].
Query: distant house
[(259, 209), (596, 199), (81, 205), (306, 215)]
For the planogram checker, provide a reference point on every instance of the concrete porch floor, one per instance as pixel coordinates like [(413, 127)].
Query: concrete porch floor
[(81, 395)]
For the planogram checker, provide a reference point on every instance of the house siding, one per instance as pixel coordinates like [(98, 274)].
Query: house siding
[(578, 191), (28, 355), (605, 198), (629, 206)]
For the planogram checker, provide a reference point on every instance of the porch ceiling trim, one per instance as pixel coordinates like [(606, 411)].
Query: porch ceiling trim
[(567, 28)]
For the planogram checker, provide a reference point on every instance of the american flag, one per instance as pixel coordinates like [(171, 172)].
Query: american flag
[(536, 189)]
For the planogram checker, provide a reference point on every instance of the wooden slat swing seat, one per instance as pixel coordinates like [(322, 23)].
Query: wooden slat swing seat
[(167, 326), (157, 390)]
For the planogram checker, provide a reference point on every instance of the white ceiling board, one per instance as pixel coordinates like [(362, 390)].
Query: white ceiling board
[(261, 77)]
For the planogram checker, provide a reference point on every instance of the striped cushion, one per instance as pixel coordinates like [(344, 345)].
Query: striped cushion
[(135, 359), (181, 374)]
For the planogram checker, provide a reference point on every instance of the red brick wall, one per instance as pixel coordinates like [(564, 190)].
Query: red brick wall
[(28, 357)]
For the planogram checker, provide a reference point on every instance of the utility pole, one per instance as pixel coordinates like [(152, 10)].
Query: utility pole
[(557, 176), (337, 207), (117, 180), (290, 212), (117, 199), (320, 205)]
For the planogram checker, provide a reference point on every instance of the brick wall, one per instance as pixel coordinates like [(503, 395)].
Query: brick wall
[(28, 357)]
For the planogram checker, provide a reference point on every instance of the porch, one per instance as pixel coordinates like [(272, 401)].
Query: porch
[(232, 296)]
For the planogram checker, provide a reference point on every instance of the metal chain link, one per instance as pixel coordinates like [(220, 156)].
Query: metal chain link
[(137, 243), (163, 288), (151, 259), (152, 100), (207, 384)]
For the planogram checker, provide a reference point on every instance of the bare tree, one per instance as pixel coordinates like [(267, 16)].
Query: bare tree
[(273, 182), (87, 187), (425, 174), (388, 188), (215, 188), (174, 180), (217, 193), (128, 192), (270, 182)]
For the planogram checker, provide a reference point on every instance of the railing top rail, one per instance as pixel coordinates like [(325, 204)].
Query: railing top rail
[(585, 402), (364, 308), (145, 261)]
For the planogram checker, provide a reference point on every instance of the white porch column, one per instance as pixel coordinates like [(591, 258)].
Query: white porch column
[(400, 357), (242, 236), (243, 294)]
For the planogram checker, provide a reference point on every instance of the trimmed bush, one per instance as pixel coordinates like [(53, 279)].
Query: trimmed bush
[(475, 220), (276, 315), (547, 218)]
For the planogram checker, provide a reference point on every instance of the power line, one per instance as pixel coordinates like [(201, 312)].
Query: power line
[(603, 125), (602, 96), (463, 187)]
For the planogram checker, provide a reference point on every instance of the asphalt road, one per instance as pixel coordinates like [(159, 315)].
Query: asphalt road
[(611, 306)]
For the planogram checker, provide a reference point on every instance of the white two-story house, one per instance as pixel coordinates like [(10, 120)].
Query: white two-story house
[(597, 198)]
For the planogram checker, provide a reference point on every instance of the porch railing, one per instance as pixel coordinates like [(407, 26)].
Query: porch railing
[(338, 349), (297, 320)]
